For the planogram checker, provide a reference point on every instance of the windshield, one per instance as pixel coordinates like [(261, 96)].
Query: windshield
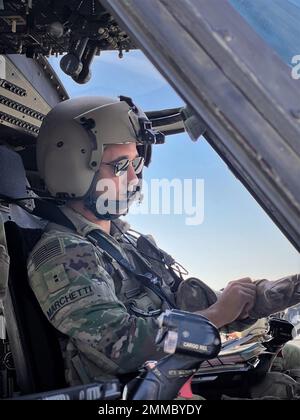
[(227, 241), (276, 21)]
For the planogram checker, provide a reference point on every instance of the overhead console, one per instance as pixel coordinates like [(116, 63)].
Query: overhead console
[(79, 28)]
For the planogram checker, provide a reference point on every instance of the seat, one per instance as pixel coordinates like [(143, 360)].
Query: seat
[(33, 341)]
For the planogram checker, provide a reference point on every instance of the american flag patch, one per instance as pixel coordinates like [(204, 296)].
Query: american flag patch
[(51, 249)]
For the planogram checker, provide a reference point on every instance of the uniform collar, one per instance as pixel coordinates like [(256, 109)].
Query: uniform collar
[(84, 226)]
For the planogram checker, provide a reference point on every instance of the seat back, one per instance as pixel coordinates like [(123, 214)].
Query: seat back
[(33, 341)]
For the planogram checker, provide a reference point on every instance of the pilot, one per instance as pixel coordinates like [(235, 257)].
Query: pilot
[(98, 284)]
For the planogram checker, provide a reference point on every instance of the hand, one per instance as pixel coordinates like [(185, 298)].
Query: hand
[(235, 302)]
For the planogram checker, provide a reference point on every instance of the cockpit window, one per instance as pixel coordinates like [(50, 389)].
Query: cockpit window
[(276, 21)]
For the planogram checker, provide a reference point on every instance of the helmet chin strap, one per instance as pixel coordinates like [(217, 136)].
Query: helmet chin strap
[(121, 206)]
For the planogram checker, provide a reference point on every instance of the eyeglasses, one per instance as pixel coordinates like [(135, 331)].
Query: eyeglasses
[(122, 165)]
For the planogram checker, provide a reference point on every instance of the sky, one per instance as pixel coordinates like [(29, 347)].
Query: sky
[(277, 21), (236, 238)]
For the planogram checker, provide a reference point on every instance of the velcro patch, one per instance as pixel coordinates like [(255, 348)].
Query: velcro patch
[(67, 299), (56, 278), (47, 251)]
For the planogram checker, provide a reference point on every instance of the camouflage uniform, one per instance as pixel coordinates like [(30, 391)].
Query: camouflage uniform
[(87, 298), (100, 310), (288, 361)]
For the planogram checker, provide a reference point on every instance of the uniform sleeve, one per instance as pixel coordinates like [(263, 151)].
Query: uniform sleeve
[(77, 295), (271, 297), (275, 296), (194, 295)]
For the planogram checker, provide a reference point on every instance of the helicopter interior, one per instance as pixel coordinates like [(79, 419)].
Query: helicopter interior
[(29, 88), (31, 31), (28, 92)]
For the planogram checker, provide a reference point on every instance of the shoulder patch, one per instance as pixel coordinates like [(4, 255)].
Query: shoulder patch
[(50, 249), (56, 278)]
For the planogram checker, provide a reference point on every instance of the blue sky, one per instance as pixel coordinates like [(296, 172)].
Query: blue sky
[(236, 238), (277, 21)]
